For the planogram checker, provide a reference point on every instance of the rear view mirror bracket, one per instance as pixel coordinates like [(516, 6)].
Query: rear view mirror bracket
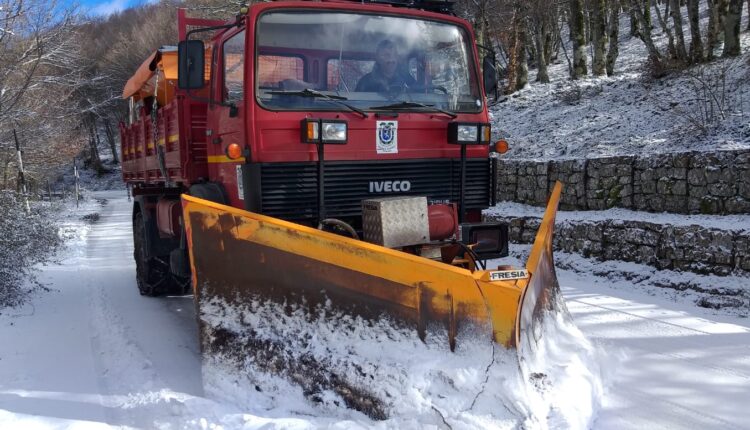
[(191, 64)]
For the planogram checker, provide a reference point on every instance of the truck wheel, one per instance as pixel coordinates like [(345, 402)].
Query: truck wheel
[(152, 273)]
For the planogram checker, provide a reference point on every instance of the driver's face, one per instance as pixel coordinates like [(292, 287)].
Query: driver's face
[(386, 59)]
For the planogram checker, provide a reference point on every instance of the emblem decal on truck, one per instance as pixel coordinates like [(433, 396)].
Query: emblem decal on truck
[(386, 137), (389, 186)]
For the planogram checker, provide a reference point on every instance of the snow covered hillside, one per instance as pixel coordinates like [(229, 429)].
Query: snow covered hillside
[(630, 112)]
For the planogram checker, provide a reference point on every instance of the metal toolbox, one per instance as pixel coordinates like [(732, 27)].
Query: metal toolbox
[(395, 221)]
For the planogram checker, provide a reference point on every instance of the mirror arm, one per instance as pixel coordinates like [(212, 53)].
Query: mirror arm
[(216, 27), (488, 49), (236, 23)]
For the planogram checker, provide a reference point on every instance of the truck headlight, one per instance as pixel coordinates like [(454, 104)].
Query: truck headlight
[(469, 133), (327, 131), (334, 132), (466, 133)]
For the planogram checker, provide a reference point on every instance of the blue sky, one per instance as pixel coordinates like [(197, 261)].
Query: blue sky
[(108, 7)]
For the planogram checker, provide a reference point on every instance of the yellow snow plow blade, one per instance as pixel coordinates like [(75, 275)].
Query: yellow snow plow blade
[(239, 256)]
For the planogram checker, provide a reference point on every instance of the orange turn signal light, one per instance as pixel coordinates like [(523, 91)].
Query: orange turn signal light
[(501, 146), (234, 151)]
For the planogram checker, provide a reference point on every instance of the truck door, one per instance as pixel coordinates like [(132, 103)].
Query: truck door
[(226, 116)]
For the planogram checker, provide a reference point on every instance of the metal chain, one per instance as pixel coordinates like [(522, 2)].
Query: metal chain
[(160, 155)]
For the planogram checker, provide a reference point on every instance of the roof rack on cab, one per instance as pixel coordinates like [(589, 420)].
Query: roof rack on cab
[(439, 6)]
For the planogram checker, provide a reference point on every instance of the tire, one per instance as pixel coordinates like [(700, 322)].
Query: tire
[(152, 273)]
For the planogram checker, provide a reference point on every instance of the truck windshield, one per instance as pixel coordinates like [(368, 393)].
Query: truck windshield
[(371, 61)]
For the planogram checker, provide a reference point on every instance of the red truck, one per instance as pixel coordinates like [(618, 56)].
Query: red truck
[(300, 110)]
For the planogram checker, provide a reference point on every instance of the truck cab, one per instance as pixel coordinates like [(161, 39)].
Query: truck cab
[(302, 110), (289, 69)]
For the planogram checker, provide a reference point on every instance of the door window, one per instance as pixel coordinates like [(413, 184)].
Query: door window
[(234, 68)]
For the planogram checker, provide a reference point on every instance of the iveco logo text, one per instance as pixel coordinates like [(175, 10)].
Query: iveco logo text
[(389, 186)]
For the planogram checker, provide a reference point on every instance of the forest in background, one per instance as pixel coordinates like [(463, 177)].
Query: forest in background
[(62, 72)]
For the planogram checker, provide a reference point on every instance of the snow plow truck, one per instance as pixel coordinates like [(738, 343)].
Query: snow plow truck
[(328, 153)]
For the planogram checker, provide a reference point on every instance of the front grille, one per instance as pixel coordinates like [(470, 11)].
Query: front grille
[(289, 190)]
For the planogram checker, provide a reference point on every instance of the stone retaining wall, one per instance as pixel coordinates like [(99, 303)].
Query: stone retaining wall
[(690, 182), (686, 248)]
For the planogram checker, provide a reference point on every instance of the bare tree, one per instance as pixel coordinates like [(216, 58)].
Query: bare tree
[(681, 51), (645, 28), (614, 34), (578, 38), (599, 36), (717, 10), (696, 44), (541, 15), (732, 29), (40, 62)]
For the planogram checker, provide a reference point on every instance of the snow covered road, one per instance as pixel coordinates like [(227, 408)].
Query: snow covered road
[(93, 353), (94, 350), (679, 368)]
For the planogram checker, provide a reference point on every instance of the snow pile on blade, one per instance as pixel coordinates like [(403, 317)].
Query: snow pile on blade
[(278, 361)]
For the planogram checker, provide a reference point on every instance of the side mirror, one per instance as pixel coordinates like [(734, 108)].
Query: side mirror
[(191, 68), (489, 73)]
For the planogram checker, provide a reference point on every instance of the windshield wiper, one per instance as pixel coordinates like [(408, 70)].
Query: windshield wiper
[(411, 105), (307, 92)]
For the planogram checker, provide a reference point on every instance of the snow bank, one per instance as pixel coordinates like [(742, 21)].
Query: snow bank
[(414, 383), (722, 222)]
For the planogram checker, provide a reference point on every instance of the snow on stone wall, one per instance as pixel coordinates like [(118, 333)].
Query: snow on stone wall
[(690, 248), (687, 182)]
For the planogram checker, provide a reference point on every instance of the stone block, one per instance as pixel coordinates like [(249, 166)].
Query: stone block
[(675, 204), (710, 205), (656, 203), (679, 188), (640, 202), (682, 159), (696, 177), (697, 191), (664, 186), (743, 188), (736, 205), (721, 189), (713, 174)]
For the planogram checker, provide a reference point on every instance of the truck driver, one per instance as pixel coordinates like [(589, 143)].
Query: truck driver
[(385, 74)]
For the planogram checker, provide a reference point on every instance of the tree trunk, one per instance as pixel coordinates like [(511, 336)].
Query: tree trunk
[(645, 33), (646, 21), (718, 10), (748, 15), (614, 35), (717, 13), (634, 22), (550, 50), (522, 78), (5, 175), (665, 28), (541, 60), (111, 140), (676, 13), (96, 161), (578, 37), (599, 36), (732, 29), (696, 44), (513, 55)]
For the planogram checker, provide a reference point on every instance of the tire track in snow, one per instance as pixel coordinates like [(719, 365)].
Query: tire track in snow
[(681, 356), (682, 371)]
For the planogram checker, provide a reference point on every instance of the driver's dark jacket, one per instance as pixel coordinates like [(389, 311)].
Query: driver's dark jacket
[(376, 82)]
